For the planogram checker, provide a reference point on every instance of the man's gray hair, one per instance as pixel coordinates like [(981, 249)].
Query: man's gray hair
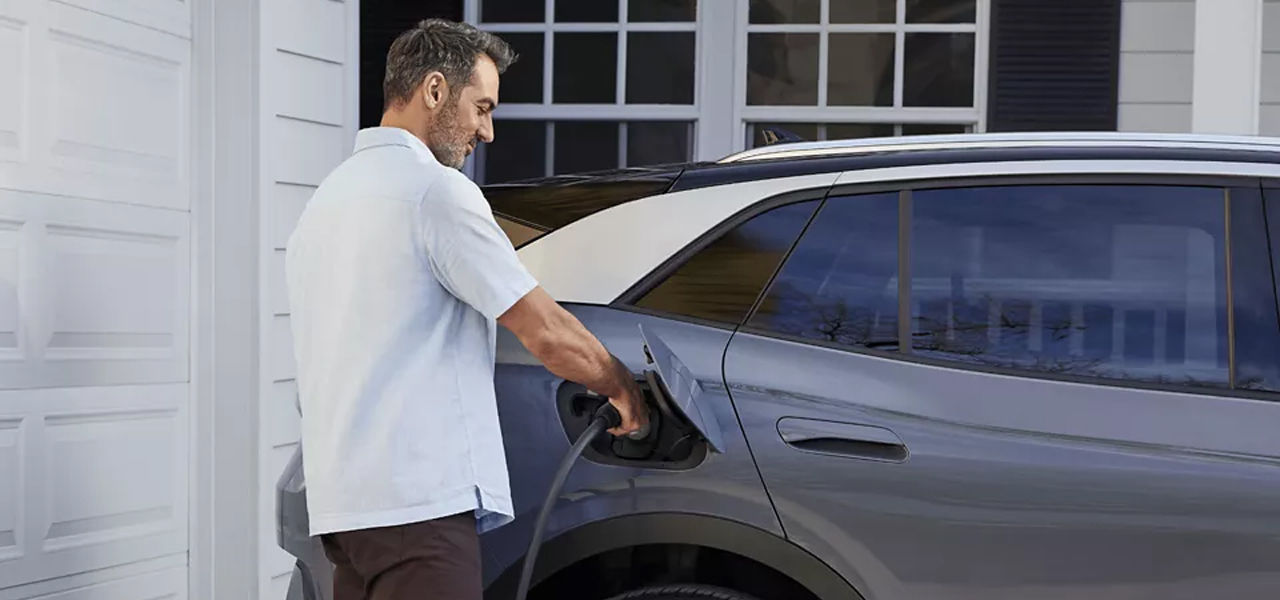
[(439, 45)]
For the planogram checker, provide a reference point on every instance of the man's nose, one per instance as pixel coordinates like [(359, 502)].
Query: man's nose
[(486, 130)]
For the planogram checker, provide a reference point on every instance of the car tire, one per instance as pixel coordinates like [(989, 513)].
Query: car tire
[(683, 592)]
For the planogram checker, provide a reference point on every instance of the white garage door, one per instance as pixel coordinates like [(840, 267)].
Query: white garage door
[(95, 282)]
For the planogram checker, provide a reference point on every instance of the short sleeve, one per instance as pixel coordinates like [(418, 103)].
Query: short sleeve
[(466, 249)]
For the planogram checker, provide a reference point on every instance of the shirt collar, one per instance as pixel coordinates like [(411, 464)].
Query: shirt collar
[(374, 137)]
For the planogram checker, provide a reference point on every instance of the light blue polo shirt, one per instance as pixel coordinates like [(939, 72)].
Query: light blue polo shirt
[(396, 273)]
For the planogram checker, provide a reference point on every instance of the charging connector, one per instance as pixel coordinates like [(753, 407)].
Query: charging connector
[(605, 418)]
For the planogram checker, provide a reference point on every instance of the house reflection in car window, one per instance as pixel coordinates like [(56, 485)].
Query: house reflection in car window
[(1124, 282), (840, 285)]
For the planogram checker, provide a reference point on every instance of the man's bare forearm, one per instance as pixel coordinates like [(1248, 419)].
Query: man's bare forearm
[(568, 350)]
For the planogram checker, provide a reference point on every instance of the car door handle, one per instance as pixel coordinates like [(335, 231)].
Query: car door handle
[(850, 440)]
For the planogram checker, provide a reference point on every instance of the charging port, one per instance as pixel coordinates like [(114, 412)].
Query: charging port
[(673, 441)]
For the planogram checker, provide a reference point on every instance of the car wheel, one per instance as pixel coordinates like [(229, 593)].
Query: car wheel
[(683, 592)]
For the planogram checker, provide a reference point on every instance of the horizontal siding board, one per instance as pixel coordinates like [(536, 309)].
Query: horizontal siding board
[(311, 27), (284, 425), (303, 152), (308, 88), (1155, 118), (1157, 27), (1269, 120), (1159, 78), (287, 202), (282, 366)]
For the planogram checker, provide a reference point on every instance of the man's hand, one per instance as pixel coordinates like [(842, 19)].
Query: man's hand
[(630, 404), (568, 350)]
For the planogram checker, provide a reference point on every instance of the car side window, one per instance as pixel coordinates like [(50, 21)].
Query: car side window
[(840, 284), (1257, 324), (1113, 281), (723, 280)]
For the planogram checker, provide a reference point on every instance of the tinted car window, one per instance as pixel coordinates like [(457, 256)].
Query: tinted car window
[(722, 281), (840, 285), (1253, 288), (1123, 282)]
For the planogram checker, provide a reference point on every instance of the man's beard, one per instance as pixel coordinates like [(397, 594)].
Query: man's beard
[(447, 143)]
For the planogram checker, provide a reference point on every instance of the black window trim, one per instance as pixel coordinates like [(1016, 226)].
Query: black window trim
[(1225, 182), (627, 300)]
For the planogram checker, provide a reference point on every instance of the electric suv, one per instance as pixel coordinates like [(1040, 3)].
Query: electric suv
[(958, 367)]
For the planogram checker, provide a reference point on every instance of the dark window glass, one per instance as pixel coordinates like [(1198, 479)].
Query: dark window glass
[(763, 134), (512, 11), (657, 142), (941, 11), (582, 146), (864, 11), (652, 11), (1122, 282), (860, 69), (782, 69), (840, 285), (938, 69), (518, 151), (523, 80), (586, 68), (849, 131), (932, 129), (660, 68), (1253, 294), (585, 11), (723, 280), (785, 11)]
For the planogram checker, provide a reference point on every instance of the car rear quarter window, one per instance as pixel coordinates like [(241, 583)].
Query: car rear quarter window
[(1257, 324), (1121, 282), (721, 281), (840, 284)]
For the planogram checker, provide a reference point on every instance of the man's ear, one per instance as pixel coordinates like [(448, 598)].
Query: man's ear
[(434, 89)]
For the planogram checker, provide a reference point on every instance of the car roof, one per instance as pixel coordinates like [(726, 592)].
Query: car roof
[(599, 257)]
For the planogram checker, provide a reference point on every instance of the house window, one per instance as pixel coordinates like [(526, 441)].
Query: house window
[(830, 69), (603, 84), (600, 84)]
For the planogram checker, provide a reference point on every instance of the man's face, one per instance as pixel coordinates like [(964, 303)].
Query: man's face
[(466, 117)]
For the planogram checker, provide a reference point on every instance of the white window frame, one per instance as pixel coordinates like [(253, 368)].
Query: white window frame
[(619, 110), (720, 114), (897, 115)]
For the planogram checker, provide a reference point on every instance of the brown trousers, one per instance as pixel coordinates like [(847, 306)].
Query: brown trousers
[(431, 560)]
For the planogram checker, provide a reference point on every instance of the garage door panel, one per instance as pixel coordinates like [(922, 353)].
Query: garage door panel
[(110, 476), (107, 118), (10, 270), (11, 480), (170, 584), (97, 477), (91, 293), (99, 66), (172, 16), (13, 71)]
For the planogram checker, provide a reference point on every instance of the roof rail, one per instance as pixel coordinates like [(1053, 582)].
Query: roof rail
[(1003, 140)]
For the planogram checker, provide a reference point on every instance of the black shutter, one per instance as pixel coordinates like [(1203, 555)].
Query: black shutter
[(1055, 65), (381, 21)]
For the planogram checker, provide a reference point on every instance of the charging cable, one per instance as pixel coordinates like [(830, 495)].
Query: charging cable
[(606, 418)]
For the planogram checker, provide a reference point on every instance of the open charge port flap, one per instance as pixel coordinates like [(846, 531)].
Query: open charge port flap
[(673, 442)]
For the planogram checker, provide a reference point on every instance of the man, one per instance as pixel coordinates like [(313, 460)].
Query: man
[(397, 275)]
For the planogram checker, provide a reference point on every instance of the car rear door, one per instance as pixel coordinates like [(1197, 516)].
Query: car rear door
[(1057, 387), (677, 324)]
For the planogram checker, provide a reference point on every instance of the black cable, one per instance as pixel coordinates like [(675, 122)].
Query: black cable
[(606, 418)]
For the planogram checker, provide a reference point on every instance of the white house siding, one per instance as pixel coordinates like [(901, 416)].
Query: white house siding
[(308, 82), (95, 298), (1157, 38), (1269, 112)]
